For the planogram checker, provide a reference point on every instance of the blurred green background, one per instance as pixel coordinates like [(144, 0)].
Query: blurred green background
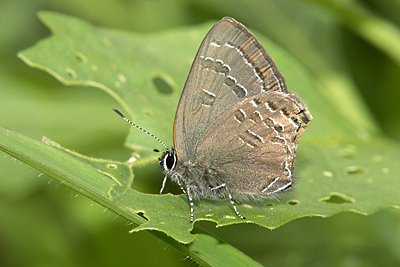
[(43, 223)]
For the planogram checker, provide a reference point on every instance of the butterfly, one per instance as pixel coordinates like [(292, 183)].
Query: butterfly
[(237, 126)]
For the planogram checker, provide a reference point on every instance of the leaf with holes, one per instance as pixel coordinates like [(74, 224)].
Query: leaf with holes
[(341, 165)]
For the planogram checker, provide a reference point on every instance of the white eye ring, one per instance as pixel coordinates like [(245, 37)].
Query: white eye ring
[(167, 161)]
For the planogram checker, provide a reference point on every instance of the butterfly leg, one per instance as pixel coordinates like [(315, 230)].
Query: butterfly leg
[(163, 184), (189, 195), (231, 200), (218, 187), (183, 189), (234, 207), (191, 202)]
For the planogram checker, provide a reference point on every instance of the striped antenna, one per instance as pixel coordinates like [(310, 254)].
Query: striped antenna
[(140, 128)]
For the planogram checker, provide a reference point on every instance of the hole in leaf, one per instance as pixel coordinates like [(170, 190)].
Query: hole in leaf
[(71, 73), (337, 198), (293, 202), (80, 57), (269, 205), (141, 214), (112, 166), (348, 152), (354, 170), (162, 85), (132, 159)]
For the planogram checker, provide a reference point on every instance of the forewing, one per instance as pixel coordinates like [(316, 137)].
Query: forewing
[(230, 66)]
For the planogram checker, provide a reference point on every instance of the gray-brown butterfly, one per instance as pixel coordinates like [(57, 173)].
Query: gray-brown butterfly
[(237, 125)]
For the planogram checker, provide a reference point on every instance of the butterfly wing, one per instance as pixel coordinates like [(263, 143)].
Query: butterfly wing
[(222, 74), (230, 70), (260, 136)]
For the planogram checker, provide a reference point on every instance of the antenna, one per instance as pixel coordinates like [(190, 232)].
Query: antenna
[(140, 128)]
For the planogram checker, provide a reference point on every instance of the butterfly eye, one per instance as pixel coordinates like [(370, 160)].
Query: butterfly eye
[(169, 161)]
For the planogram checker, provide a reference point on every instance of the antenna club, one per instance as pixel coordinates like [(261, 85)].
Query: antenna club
[(118, 112)]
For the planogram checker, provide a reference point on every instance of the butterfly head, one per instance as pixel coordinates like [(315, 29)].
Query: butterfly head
[(168, 160)]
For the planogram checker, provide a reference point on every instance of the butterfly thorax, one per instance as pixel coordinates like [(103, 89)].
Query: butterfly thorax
[(202, 180)]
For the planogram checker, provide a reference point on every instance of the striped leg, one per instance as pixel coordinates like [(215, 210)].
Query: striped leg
[(189, 195), (234, 207), (163, 184), (231, 200), (191, 203)]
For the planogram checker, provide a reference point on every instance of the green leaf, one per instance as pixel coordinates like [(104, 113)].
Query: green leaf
[(97, 179), (341, 165), (125, 65)]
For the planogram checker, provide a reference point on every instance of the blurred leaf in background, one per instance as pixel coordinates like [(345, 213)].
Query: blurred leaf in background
[(49, 225)]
